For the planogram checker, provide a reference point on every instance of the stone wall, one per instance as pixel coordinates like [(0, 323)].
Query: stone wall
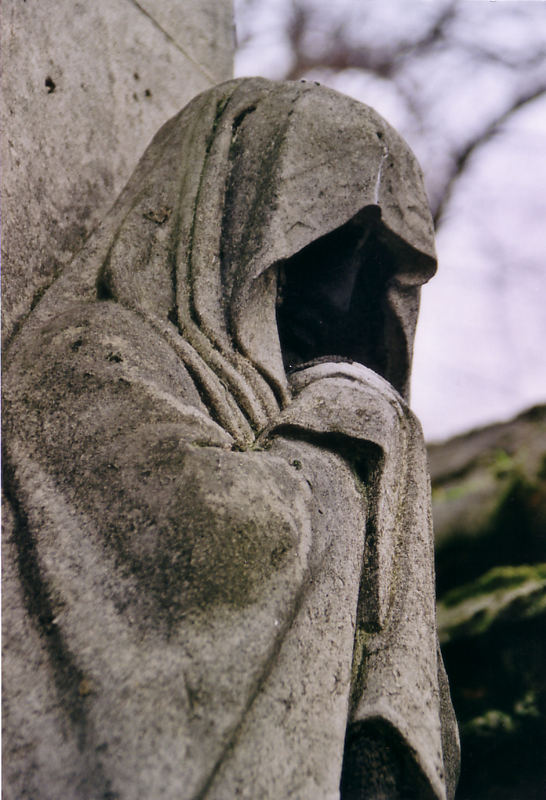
[(85, 87)]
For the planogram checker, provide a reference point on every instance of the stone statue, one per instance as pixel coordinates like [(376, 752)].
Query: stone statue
[(222, 581)]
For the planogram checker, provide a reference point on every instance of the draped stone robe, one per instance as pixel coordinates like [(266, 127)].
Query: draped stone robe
[(220, 577)]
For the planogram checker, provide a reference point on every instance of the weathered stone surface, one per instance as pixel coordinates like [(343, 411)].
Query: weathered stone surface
[(503, 594), (223, 540), (85, 86), (493, 640), (489, 498), (489, 502)]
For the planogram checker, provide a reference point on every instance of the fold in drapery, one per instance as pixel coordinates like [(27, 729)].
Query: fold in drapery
[(246, 176), (150, 357), (397, 667)]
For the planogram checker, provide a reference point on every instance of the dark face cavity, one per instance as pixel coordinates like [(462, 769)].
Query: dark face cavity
[(332, 298)]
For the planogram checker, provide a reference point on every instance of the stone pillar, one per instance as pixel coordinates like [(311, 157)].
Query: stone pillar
[(85, 87)]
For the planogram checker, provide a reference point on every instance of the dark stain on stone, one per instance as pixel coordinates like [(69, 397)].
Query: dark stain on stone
[(172, 316), (160, 216), (37, 296), (104, 291)]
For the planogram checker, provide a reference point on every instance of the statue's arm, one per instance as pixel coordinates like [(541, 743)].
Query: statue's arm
[(401, 724), (101, 403), (165, 564)]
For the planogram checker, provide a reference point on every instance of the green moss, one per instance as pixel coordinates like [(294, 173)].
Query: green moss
[(503, 464), (528, 706), (541, 475), (496, 579), (502, 595), (357, 671), (495, 723), (442, 494), (491, 723)]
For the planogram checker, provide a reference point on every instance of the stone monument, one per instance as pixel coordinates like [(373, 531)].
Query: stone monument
[(223, 531), (85, 86)]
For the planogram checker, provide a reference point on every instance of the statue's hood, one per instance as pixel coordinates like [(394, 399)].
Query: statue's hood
[(247, 176), (304, 161)]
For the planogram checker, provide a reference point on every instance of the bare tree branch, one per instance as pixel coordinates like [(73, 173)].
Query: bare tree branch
[(394, 60), (340, 55), (462, 157), (519, 62)]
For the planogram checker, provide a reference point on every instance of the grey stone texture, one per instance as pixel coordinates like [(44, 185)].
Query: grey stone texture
[(85, 86), (487, 484), (220, 582), (489, 509)]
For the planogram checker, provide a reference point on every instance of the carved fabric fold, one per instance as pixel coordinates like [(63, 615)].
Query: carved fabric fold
[(217, 570)]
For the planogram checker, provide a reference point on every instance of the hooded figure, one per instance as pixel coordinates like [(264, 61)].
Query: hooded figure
[(220, 580)]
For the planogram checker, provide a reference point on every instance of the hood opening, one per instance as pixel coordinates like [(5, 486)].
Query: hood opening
[(332, 297)]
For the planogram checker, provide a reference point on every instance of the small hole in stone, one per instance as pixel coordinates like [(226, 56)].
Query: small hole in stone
[(379, 134), (147, 93), (136, 76), (50, 84)]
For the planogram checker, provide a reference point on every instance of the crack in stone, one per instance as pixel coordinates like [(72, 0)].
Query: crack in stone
[(173, 41)]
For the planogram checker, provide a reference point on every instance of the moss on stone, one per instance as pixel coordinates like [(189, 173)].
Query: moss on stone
[(496, 579), (495, 722), (490, 724), (501, 594)]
